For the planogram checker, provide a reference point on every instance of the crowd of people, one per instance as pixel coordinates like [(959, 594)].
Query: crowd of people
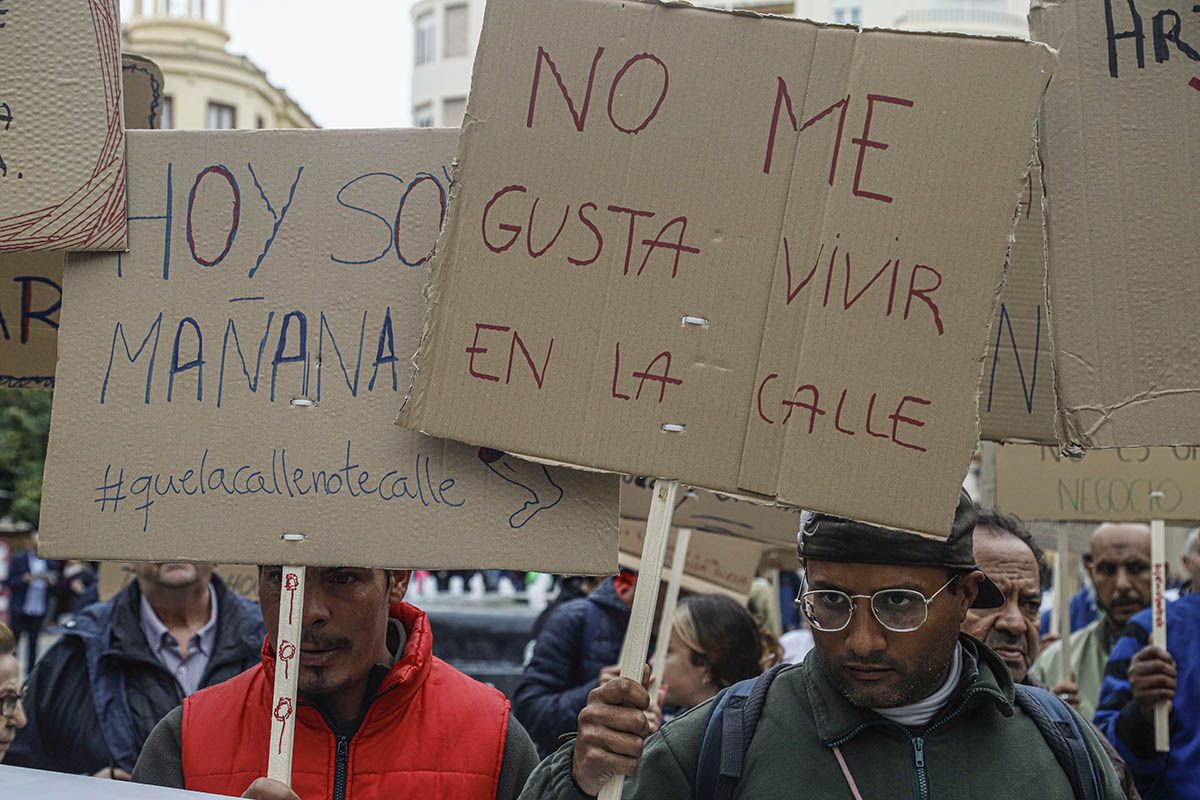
[(928, 675)]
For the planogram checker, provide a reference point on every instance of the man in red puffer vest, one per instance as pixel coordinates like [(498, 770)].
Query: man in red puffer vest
[(378, 716)]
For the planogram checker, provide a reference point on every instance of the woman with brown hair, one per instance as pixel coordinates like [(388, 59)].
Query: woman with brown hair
[(715, 643), (12, 715)]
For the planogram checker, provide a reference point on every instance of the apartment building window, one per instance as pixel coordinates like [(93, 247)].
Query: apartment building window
[(260, 122), (426, 35), (168, 113), (848, 15), (221, 117), (453, 109), (455, 43), (423, 115)]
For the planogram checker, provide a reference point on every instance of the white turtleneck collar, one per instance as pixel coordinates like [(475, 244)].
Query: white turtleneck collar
[(918, 714)]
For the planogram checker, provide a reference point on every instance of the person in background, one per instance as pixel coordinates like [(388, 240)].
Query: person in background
[(12, 714), (1191, 563), (579, 644), (764, 605), (377, 714), (1138, 677), (124, 663), (1081, 610), (715, 643), (30, 581), (76, 578), (1119, 566)]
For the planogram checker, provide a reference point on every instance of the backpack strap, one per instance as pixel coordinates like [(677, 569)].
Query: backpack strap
[(731, 727), (1061, 730)]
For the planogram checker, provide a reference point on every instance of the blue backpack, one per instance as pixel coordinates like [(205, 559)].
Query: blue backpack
[(734, 719)]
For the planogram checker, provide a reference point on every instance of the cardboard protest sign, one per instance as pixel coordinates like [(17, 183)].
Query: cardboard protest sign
[(1016, 401), (701, 510), (715, 563), (116, 575), (62, 145), (233, 378), (1130, 484), (1122, 169), (766, 276), (31, 283)]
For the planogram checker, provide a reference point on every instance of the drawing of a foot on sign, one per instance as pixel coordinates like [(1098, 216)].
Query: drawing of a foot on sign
[(533, 478)]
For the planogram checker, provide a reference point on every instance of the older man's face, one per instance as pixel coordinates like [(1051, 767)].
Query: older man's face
[(1011, 630), (1119, 566), (872, 666)]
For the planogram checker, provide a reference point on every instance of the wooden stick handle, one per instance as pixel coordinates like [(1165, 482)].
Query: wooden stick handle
[(666, 620), (641, 618), (1158, 601), (287, 674), (1062, 604)]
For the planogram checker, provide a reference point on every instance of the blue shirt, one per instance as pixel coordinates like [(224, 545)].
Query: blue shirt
[(188, 671)]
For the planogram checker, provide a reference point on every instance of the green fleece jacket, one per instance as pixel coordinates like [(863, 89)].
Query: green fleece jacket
[(980, 746)]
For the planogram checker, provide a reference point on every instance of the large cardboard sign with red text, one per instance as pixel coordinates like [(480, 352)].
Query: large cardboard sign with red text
[(232, 380), (62, 137), (1125, 484), (767, 275), (31, 283), (1122, 170), (1016, 399)]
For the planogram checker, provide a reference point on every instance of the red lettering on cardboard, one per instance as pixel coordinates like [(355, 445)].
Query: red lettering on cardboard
[(529, 236), (814, 408), (633, 215), (595, 232), (579, 117), (758, 396), (865, 141), (658, 242), (898, 417), (515, 230), (924, 293), (612, 92), (475, 350)]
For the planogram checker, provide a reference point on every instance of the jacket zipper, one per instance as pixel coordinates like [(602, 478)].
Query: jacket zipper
[(918, 742), (340, 766)]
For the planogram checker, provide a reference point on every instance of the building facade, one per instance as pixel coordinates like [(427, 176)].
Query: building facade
[(206, 86), (446, 33)]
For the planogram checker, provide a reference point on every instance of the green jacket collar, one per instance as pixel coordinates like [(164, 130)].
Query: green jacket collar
[(985, 680)]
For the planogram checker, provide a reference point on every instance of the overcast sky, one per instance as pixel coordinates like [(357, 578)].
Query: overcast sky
[(348, 64)]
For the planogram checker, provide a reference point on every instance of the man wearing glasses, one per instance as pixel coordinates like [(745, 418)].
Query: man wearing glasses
[(892, 702), (12, 715)]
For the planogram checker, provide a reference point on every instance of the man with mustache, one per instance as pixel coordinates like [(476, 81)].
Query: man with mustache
[(1119, 566), (377, 714), (892, 702), (1006, 551)]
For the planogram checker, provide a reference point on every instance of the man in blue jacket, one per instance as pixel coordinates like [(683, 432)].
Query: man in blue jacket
[(1138, 677), (580, 639), (121, 665)]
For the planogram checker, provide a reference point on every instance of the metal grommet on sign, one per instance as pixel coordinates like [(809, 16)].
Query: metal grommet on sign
[(699, 322), (672, 427), (303, 402), (294, 537)]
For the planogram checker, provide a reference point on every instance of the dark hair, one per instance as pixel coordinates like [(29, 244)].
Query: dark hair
[(1000, 523), (722, 634)]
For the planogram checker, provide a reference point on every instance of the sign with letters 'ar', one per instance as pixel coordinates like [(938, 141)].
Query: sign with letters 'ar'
[(226, 389), (31, 283), (1121, 149), (768, 275), (62, 138)]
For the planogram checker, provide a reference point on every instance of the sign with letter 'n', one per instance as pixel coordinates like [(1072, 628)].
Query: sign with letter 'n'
[(767, 275), (226, 389)]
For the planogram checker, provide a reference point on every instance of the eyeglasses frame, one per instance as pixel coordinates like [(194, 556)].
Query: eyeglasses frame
[(800, 598)]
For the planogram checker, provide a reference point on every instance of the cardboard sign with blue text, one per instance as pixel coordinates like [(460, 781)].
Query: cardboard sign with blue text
[(768, 274), (1120, 143), (1016, 398), (31, 283), (233, 378), (62, 137)]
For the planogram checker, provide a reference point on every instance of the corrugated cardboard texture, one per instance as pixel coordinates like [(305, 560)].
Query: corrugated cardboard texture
[(702, 510), (1122, 172), (62, 140), (714, 563), (240, 384), (641, 237), (31, 283), (1038, 484), (1016, 399)]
